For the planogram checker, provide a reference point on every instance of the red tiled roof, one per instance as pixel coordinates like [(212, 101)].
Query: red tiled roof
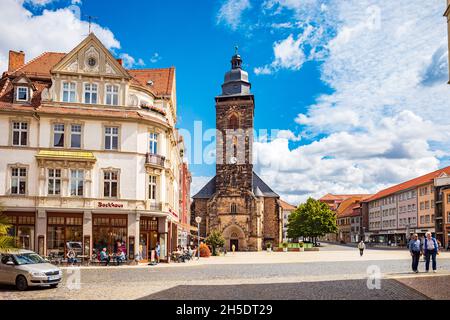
[(428, 178), (337, 197), (286, 205), (40, 66), (162, 79)]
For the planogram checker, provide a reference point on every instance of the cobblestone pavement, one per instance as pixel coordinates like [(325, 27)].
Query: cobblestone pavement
[(299, 275)]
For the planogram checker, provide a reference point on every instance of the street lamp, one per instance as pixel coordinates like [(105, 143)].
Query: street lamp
[(198, 220)]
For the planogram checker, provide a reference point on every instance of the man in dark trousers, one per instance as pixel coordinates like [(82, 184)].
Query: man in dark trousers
[(415, 250)]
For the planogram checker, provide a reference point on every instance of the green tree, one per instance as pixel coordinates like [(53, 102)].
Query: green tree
[(215, 240), (6, 241), (312, 219)]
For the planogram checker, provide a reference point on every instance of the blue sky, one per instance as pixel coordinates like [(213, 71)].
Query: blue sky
[(354, 86)]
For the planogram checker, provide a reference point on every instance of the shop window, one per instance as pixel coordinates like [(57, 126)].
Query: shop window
[(22, 228), (64, 232), (110, 232)]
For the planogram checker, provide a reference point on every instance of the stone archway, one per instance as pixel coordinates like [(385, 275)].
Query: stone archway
[(234, 234)]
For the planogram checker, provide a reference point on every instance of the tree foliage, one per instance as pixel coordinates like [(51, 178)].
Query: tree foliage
[(215, 240), (6, 241), (311, 219)]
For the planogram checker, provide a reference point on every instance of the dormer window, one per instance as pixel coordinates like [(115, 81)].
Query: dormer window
[(22, 94)]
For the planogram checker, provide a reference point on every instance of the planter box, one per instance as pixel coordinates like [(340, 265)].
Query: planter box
[(312, 249)]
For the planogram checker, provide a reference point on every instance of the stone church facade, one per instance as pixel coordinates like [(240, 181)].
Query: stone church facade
[(236, 201)]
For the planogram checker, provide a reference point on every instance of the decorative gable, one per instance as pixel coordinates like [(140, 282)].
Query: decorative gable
[(91, 58)]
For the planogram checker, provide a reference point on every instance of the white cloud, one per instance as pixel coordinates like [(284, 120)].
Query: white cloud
[(155, 58), (231, 12), (387, 119), (40, 2), (59, 30), (289, 135), (130, 62), (198, 182)]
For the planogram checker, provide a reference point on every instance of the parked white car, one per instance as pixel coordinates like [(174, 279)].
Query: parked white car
[(24, 268)]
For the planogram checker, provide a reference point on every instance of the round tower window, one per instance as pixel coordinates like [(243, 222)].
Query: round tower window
[(92, 62)]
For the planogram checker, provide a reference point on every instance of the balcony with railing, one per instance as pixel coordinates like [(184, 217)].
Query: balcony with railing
[(155, 160)]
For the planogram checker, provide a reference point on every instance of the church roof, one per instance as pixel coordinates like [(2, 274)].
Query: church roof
[(260, 188)]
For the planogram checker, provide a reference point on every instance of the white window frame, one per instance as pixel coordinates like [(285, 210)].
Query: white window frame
[(110, 93), (69, 91), (111, 136), (63, 132), (153, 142), (21, 131), (77, 179), (80, 133), (52, 177), (152, 187), (90, 91), (19, 178), (110, 181), (27, 90)]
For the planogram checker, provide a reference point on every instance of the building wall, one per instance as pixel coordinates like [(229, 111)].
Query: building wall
[(425, 206), (407, 209)]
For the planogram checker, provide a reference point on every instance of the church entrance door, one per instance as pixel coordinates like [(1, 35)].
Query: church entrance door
[(236, 244)]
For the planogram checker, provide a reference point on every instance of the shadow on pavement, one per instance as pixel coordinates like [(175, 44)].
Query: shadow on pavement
[(322, 290)]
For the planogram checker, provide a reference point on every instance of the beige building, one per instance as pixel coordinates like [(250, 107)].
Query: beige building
[(426, 207), (90, 156)]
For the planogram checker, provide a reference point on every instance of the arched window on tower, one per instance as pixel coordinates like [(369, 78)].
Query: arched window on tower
[(233, 208), (235, 146), (233, 122)]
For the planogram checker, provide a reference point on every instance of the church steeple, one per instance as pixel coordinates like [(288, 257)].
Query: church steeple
[(236, 80)]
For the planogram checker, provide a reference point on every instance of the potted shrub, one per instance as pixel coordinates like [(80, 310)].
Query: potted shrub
[(285, 246), (268, 247), (301, 246)]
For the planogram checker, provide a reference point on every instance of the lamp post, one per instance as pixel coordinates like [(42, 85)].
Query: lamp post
[(198, 220)]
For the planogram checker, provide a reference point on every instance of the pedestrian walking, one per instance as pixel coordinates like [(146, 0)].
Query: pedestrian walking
[(233, 248), (158, 252), (414, 249), (361, 247), (430, 250)]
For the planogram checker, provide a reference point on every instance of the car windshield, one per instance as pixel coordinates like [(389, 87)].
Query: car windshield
[(28, 258)]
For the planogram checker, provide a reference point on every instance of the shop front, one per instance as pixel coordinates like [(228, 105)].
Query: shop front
[(64, 232), (23, 229), (148, 238), (110, 232)]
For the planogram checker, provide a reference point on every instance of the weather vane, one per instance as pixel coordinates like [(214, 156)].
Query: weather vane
[(236, 49), (90, 20)]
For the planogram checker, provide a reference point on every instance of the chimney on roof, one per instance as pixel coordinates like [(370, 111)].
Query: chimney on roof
[(16, 60), (120, 61)]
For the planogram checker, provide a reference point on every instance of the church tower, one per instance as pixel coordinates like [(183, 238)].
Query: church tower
[(236, 201), (234, 124)]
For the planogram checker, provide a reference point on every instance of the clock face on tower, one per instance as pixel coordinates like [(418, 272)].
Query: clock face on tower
[(233, 160)]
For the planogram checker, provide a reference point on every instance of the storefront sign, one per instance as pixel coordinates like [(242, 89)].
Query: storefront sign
[(109, 205)]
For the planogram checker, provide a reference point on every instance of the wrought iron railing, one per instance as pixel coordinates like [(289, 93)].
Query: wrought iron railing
[(155, 159)]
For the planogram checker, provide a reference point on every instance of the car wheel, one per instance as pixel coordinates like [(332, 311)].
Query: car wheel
[(21, 283)]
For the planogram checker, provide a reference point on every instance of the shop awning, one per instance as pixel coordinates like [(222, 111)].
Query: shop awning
[(66, 155)]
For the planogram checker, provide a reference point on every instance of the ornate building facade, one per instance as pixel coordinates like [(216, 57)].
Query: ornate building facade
[(236, 201), (89, 153)]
